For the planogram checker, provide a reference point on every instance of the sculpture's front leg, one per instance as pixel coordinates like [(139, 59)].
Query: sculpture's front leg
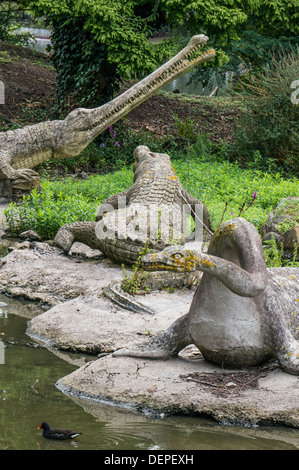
[(23, 178)]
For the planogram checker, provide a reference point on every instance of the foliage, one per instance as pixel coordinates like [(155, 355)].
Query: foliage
[(45, 213), (268, 125), (132, 283), (274, 255), (224, 21), (96, 42), (186, 131), (84, 75), (275, 17), (9, 24)]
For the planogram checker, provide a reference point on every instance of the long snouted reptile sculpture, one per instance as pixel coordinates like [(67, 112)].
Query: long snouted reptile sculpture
[(155, 205), (242, 313), (25, 148)]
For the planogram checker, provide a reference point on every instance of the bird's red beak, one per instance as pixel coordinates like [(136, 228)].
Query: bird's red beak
[(39, 427)]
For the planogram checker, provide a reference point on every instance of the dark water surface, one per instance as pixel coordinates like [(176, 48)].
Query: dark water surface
[(28, 396)]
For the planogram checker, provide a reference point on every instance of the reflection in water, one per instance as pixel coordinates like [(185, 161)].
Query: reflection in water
[(28, 396)]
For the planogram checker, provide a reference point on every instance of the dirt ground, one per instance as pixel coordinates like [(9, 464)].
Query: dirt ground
[(30, 81), (29, 86)]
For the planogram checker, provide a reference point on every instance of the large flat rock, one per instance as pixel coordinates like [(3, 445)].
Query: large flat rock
[(93, 324), (189, 387), (45, 274)]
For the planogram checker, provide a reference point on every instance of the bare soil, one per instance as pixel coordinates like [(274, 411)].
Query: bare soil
[(29, 83)]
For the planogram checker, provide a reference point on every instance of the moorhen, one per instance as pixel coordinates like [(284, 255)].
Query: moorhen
[(61, 434)]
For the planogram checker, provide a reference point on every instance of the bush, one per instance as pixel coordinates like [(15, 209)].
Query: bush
[(266, 134)]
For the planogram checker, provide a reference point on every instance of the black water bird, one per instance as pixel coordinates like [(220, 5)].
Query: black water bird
[(60, 434)]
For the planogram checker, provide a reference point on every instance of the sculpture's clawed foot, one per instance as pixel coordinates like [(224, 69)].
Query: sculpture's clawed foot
[(163, 346), (25, 179)]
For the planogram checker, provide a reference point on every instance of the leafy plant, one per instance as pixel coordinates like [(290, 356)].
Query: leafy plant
[(186, 130), (267, 130), (132, 283), (274, 255)]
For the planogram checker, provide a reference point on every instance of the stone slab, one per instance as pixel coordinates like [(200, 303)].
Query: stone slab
[(166, 387)]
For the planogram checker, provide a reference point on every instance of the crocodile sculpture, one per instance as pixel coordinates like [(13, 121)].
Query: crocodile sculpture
[(242, 313), (128, 222), (25, 148)]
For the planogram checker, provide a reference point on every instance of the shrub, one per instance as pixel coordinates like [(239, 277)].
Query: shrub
[(267, 129)]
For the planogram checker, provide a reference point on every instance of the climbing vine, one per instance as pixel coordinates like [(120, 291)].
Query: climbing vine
[(84, 75)]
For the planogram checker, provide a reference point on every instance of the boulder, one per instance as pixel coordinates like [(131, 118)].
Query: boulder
[(283, 217), (282, 224)]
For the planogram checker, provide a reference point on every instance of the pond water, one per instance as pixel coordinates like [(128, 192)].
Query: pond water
[(29, 396)]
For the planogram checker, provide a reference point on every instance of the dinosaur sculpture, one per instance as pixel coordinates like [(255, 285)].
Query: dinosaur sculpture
[(242, 314), (23, 149), (156, 188)]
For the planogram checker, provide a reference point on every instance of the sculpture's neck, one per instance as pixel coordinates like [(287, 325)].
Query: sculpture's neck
[(107, 115)]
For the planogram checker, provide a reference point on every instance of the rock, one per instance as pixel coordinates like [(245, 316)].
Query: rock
[(268, 236), (290, 239), (163, 386), (283, 225), (82, 175), (19, 246), (93, 324), (285, 214), (45, 274), (82, 250), (30, 235)]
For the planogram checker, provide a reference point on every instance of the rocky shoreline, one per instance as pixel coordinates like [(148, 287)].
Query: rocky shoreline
[(79, 318)]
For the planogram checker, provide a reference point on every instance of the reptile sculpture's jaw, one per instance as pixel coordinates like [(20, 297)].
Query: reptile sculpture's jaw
[(99, 119), (173, 258)]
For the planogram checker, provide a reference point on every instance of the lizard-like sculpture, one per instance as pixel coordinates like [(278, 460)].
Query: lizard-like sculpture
[(23, 149), (138, 217), (242, 313)]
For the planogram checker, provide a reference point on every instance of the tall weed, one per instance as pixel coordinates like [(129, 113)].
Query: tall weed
[(266, 134)]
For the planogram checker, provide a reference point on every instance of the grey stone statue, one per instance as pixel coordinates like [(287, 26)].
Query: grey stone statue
[(242, 314), (21, 150)]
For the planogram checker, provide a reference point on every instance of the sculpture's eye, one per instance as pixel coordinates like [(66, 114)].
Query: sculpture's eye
[(176, 256)]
